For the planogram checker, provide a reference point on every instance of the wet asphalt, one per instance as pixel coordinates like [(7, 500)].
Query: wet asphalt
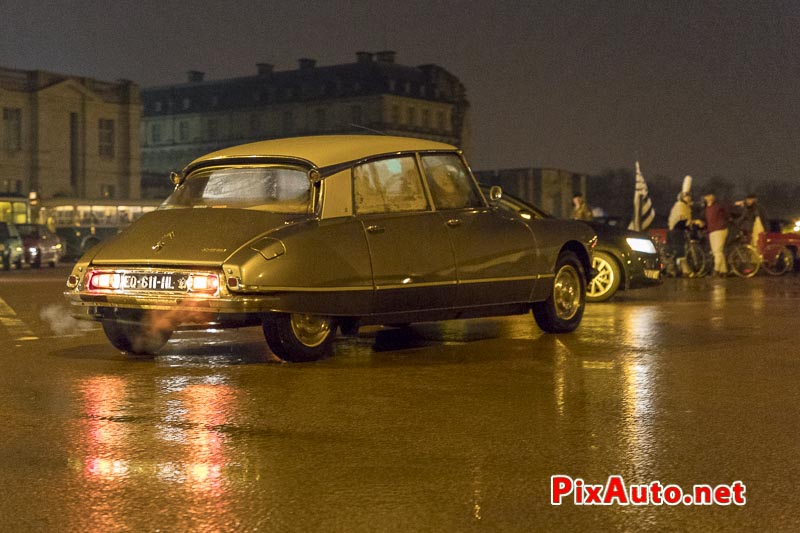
[(455, 426)]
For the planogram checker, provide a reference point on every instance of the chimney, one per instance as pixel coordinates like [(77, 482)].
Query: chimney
[(195, 76), (306, 63), (386, 56), (264, 68), (364, 57)]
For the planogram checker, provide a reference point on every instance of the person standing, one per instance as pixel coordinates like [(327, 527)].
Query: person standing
[(679, 218), (716, 216), (580, 211), (754, 218)]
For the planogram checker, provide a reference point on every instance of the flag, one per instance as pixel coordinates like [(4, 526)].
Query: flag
[(643, 212)]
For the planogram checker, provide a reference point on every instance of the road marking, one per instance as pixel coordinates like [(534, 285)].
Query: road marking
[(15, 326)]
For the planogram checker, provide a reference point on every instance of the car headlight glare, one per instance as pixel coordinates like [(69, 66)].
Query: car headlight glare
[(644, 246)]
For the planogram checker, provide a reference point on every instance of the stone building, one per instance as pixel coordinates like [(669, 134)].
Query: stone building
[(68, 136), (181, 122), (548, 188)]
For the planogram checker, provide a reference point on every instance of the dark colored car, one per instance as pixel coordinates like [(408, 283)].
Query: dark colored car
[(622, 259), (303, 235), (10, 246), (40, 245)]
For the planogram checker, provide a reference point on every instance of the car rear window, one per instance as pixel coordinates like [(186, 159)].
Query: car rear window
[(280, 190)]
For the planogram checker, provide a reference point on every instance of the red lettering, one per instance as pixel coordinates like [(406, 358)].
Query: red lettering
[(722, 495), (672, 494), (615, 489), (738, 493), (655, 493), (639, 494), (560, 486), (593, 494)]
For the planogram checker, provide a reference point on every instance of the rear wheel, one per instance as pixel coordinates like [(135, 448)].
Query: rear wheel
[(138, 333), (607, 279), (299, 338), (696, 260), (562, 311), (777, 260), (744, 260), (7, 261)]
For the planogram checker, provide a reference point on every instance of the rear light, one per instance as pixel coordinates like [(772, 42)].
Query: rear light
[(104, 280), (205, 283)]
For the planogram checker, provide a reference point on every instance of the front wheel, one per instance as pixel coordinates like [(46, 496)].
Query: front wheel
[(696, 260), (299, 338), (744, 261), (607, 279), (777, 261), (562, 311), (140, 334)]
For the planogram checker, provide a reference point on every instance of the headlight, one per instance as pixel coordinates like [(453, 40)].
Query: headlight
[(644, 246), (32, 251)]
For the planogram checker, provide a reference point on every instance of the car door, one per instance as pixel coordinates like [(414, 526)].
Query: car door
[(495, 252), (413, 265)]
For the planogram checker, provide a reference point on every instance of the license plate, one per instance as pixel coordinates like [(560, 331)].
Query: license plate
[(171, 281), (652, 274)]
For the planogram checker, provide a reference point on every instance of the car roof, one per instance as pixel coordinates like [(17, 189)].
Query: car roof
[(324, 150)]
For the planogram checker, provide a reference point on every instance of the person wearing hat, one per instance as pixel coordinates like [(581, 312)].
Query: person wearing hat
[(679, 217), (716, 216)]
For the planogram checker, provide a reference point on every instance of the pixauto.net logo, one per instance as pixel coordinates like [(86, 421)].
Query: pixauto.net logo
[(616, 492)]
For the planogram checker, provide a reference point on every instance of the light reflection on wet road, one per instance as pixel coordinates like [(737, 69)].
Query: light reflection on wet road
[(436, 427)]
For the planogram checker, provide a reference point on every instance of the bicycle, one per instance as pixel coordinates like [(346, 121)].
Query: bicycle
[(776, 258), (742, 257)]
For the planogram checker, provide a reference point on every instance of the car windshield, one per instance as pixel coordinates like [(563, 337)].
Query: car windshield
[(28, 230), (275, 189)]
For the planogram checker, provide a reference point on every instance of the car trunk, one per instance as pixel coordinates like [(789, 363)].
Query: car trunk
[(200, 237)]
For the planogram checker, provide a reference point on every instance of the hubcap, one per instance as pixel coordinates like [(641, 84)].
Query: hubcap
[(311, 330), (567, 293), (602, 282)]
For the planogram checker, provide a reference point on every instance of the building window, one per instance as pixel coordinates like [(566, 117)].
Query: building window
[(157, 106), (255, 124), (12, 124), (392, 86), (107, 191), (411, 116), (105, 128), (356, 115), (212, 129), (287, 122), (186, 104), (155, 133), (183, 130), (320, 119)]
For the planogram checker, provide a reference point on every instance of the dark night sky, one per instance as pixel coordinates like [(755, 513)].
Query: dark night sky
[(690, 87)]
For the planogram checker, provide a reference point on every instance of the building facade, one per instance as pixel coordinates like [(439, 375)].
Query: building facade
[(550, 189), (182, 122), (68, 136)]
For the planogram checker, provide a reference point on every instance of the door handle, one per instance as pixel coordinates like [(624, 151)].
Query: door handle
[(375, 229), (453, 222)]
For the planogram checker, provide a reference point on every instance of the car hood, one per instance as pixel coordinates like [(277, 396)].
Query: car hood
[(202, 237)]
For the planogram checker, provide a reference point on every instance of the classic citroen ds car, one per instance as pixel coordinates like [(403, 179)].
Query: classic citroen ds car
[(303, 236)]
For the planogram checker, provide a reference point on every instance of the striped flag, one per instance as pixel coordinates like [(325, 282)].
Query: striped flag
[(643, 212)]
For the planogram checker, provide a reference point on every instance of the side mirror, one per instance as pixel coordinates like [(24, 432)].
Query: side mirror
[(495, 194), (176, 179)]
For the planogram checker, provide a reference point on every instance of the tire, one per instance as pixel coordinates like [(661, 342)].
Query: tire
[(299, 338), (37, 263), (696, 260), (606, 282), (744, 260), (139, 333), (777, 261), (562, 311), (18, 263), (7, 262)]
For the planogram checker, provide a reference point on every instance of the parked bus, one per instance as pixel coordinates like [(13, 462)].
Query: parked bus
[(83, 223), (15, 210)]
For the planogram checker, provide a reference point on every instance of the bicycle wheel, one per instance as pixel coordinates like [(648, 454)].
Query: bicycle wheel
[(744, 260), (696, 260), (777, 260)]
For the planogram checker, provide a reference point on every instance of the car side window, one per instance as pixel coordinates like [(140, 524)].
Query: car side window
[(450, 183), (388, 186)]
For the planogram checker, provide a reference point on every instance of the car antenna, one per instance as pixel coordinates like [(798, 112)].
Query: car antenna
[(359, 126)]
